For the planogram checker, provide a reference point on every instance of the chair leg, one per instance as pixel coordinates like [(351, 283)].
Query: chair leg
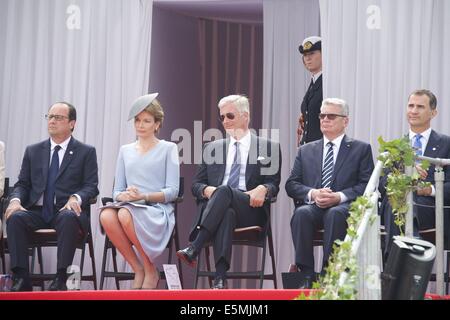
[(105, 253), (114, 257), (208, 264), (263, 265), (2, 255), (83, 250), (272, 256), (197, 269), (92, 254), (177, 247), (41, 265)]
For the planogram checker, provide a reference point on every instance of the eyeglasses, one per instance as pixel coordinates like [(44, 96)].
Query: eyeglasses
[(57, 117), (229, 115), (330, 116)]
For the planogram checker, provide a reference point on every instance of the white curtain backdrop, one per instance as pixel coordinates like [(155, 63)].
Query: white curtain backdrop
[(94, 54), (285, 81), (376, 52)]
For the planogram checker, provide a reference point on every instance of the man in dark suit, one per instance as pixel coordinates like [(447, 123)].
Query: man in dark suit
[(57, 179), (328, 175), (420, 111), (308, 123), (237, 175)]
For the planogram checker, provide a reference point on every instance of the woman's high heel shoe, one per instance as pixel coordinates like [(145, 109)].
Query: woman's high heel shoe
[(137, 288), (157, 282)]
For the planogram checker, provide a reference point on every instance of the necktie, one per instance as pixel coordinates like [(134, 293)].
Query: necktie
[(233, 180), (48, 209), (417, 144), (327, 170)]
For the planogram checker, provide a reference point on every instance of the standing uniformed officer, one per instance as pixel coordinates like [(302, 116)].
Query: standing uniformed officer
[(308, 123)]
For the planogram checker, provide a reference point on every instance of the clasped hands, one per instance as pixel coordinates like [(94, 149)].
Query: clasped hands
[(325, 197), (131, 194)]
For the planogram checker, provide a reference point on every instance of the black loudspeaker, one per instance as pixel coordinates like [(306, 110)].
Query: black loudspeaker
[(408, 269), (291, 280)]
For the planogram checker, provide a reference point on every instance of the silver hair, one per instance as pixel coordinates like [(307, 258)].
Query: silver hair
[(240, 102), (338, 102)]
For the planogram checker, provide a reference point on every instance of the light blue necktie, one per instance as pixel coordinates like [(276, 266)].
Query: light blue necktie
[(417, 144), (327, 170), (233, 180)]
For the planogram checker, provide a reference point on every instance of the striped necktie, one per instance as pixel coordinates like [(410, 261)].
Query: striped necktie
[(327, 170), (235, 172)]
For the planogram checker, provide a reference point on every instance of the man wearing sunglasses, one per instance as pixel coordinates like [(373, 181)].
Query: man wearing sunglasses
[(328, 175), (57, 179), (237, 177), (308, 124)]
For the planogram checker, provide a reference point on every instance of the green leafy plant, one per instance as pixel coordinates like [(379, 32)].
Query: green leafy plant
[(342, 261), (396, 155)]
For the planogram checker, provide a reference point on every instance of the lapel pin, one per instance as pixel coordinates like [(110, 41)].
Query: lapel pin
[(434, 148), (70, 152)]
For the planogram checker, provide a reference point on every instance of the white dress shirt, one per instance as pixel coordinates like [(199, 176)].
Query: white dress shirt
[(316, 76), (244, 148), (61, 153), (336, 145), (425, 136)]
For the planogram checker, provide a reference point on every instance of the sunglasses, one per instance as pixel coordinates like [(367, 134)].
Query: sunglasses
[(229, 115), (330, 116)]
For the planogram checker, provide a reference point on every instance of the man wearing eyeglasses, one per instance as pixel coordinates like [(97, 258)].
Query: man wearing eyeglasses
[(236, 178), (57, 179), (328, 175), (308, 124)]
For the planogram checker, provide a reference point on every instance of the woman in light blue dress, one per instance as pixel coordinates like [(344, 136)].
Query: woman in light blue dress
[(146, 182)]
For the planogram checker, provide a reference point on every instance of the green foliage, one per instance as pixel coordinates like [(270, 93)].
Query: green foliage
[(342, 260), (396, 155)]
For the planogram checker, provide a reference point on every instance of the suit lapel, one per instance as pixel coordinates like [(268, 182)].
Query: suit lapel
[(46, 158), (68, 156), (223, 167), (343, 152), (317, 165), (252, 158), (313, 88), (432, 149)]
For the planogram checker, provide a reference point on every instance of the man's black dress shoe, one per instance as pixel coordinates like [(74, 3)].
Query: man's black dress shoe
[(219, 283), (188, 255), (307, 282), (20, 284), (58, 284)]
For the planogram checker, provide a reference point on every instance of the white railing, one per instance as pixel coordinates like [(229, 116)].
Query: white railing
[(366, 247), (439, 179)]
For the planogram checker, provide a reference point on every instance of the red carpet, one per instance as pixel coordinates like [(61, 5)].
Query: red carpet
[(156, 295), (167, 295)]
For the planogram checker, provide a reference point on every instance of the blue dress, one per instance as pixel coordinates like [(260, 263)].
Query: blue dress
[(158, 170)]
